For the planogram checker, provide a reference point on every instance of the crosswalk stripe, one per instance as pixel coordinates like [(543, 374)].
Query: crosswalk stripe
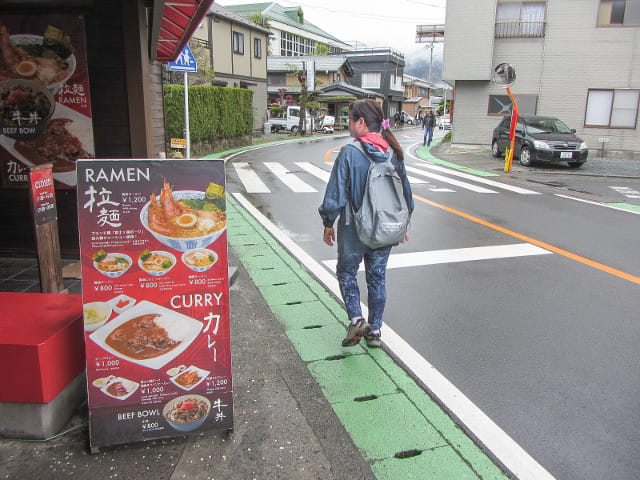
[(435, 257), (289, 179), (315, 171), (452, 181), (250, 179), (493, 183)]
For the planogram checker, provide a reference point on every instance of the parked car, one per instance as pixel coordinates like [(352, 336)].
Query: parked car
[(538, 138), (408, 119), (444, 123)]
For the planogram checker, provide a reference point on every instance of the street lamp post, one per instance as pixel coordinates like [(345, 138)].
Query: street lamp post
[(504, 75)]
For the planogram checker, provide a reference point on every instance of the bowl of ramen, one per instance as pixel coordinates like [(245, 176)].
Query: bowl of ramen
[(111, 265), (48, 59), (200, 259), (26, 108), (156, 263), (184, 220), (187, 412), (95, 314)]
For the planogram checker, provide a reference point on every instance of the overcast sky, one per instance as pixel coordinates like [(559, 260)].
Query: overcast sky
[(376, 23)]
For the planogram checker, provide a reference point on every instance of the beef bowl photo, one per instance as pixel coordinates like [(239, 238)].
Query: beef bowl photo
[(25, 108), (186, 413), (186, 219)]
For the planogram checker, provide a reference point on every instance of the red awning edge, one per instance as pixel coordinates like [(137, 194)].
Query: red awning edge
[(173, 23)]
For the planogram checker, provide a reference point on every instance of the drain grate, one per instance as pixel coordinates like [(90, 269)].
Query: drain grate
[(336, 357), (408, 454), (366, 398), (310, 327)]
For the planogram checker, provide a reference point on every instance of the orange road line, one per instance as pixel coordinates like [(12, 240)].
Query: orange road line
[(546, 246), (327, 158)]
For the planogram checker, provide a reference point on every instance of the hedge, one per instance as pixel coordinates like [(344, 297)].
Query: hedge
[(214, 112)]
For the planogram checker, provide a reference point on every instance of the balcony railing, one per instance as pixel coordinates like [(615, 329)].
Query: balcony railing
[(520, 29)]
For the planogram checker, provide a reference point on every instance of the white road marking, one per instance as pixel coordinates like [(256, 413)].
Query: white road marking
[(484, 430), (250, 179), (475, 178), (289, 179), (435, 257), (613, 207), (627, 191), (315, 171), (452, 181), (324, 175)]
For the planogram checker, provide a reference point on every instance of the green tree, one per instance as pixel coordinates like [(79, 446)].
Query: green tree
[(321, 50)]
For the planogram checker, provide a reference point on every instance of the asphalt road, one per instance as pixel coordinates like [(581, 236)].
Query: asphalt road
[(524, 299)]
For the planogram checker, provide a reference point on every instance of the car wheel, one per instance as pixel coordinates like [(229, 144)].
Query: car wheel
[(294, 130), (525, 157), (575, 164), (495, 149)]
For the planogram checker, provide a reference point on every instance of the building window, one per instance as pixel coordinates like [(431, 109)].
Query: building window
[(370, 79), (612, 108), (257, 48), (520, 19), (619, 12), (501, 105), (292, 45), (238, 43)]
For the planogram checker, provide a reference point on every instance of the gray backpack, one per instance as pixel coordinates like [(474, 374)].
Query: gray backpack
[(383, 218)]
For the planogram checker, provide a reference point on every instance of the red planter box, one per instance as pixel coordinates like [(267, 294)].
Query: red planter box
[(41, 345)]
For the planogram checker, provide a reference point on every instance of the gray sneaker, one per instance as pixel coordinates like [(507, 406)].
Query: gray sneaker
[(355, 333), (373, 339)]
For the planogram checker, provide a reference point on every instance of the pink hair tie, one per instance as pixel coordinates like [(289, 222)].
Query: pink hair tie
[(385, 124)]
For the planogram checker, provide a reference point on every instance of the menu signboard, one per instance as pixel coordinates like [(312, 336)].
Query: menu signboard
[(45, 107), (155, 289)]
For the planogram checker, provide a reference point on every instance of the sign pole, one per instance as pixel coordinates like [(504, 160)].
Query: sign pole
[(186, 115), (185, 63)]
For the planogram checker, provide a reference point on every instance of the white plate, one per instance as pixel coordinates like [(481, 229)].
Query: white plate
[(189, 330), (121, 298), (86, 138), (103, 381), (201, 373), (129, 385)]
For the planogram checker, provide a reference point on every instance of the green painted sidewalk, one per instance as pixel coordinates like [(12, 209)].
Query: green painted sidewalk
[(394, 423)]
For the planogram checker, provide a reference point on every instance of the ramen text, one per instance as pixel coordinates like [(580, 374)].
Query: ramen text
[(131, 174)]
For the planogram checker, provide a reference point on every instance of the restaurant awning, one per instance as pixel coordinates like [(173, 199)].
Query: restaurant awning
[(174, 21)]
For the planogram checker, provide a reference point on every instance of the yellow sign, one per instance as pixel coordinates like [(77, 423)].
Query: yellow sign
[(178, 143)]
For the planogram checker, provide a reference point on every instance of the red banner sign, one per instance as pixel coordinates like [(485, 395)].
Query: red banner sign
[(155, 288)]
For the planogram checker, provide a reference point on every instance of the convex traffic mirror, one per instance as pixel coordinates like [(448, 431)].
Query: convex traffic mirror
[(504, 75)]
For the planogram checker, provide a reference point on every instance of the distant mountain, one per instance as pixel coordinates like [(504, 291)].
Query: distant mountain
[(417, 65)]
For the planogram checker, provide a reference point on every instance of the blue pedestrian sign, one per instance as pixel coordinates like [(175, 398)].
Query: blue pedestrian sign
[(185, 62)]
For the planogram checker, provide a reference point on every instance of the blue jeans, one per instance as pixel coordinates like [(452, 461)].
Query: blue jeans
[(428, 131), (351, 251)]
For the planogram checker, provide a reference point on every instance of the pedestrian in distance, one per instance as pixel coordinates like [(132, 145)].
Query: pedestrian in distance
[(429, 122), (343, 196), (396, 120)]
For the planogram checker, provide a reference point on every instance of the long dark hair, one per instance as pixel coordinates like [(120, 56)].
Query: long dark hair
[(373, 117)]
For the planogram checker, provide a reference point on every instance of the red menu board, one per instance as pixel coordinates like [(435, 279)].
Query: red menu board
[(45, 107), (155, 290)]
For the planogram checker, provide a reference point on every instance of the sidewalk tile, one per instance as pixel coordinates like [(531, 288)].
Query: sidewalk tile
[(387, 425), (355, 376)]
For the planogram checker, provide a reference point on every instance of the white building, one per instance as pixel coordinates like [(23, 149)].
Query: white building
[(577, 60)]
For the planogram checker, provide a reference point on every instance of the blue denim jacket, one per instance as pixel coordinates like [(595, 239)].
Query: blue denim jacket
[(348, 178)]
